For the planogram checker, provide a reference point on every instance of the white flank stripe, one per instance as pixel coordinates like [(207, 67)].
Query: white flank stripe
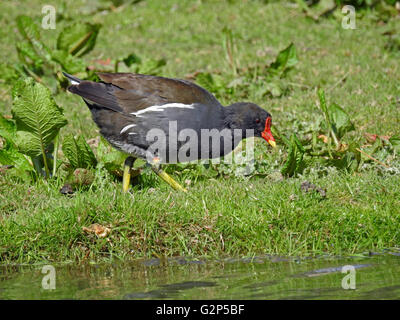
[(162, 108), (127, 128), (73, 82)]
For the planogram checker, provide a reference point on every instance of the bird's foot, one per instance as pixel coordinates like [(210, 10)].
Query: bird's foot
[(156, 167)]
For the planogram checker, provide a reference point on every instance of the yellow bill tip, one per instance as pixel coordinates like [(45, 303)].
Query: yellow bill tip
[(272, 143)]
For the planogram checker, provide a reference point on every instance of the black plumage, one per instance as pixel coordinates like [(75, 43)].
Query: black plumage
[(127, 106)]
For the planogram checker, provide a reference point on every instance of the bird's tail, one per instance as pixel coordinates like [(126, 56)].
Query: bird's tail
[(95, 94), (72, 79)]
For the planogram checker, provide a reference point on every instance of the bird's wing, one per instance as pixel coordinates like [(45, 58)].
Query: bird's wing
[(135, 92), (130, 93)]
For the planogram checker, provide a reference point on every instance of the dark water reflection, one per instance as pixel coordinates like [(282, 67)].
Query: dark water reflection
[(377, 277)]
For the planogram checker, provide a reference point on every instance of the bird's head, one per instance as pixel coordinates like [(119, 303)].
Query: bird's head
[(247, 115)]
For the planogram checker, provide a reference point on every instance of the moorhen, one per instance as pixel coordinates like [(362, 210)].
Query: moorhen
[(135, 111)]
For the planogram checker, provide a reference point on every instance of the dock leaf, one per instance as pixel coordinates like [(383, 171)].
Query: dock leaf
[(37, 116)]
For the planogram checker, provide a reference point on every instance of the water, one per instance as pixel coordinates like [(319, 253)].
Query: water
[(376, 277)]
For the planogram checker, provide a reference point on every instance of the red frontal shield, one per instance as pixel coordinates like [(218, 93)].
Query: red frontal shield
[(267, 135)]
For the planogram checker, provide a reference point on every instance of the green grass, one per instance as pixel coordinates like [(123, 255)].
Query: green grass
[(220, 216)]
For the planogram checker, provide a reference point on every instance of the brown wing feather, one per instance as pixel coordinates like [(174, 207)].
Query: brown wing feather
[(134, 92)]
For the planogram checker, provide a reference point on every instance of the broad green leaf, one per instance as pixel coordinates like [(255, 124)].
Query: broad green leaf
[(7, 129), (28, 28), (86, 153), (21, 165), (285, 60), (28, 55), (30, 32), (71, 151), (10, 156), (78, 39), (340, 120), (27, 143), (37, 116), (78, 152), (294, 161), (69, 63), (8, 73)]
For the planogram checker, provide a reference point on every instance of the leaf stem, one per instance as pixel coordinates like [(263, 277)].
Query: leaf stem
[(116, 65), (46, 166), (74, 50), (32, 74), (55, 154), (372, 158)]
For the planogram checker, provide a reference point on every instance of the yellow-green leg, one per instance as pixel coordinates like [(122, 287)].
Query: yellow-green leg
[(155, 166), (126, 179)]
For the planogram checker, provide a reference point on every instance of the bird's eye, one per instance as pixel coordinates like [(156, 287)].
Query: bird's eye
[(257, 120)]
